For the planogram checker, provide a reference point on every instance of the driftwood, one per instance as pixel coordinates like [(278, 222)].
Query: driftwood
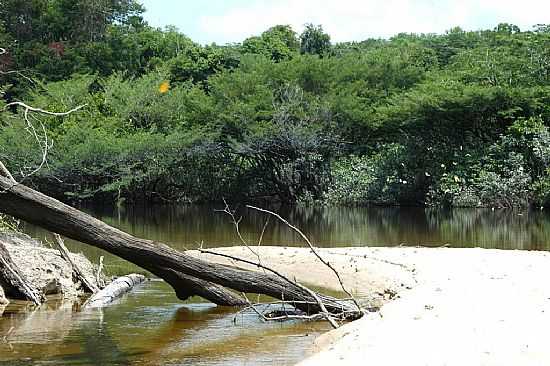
[(115, 289), (3, 300), (99, 280), (13, 280), (77, 272), (187, 275)]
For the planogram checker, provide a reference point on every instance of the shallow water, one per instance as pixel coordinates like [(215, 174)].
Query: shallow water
[(150, 326)]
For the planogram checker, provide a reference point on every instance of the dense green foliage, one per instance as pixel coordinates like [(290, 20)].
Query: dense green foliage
[(457, 119)]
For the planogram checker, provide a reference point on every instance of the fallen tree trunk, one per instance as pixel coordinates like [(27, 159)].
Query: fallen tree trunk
[(114, 290), (13, 280), (181, 271)]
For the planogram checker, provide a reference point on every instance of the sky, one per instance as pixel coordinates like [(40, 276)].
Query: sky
[(229, 21)]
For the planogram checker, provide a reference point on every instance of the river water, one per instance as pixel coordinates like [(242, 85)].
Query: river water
[(151, 326)]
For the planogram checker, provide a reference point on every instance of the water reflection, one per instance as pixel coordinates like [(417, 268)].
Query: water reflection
[(149, 327), (186, 226)]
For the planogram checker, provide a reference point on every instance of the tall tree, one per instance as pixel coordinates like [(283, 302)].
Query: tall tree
[(65, 20), (314, 40), (277, 43)]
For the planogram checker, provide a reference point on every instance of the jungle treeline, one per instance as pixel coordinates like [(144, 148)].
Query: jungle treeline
[(456, 119)]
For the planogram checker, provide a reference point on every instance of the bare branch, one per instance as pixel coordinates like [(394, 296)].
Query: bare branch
[(236, 223), (6, 173), (43, 111), (100, 282), (308, 242), (18, 73), (77, 272), (286, 315), (319, 302), (41, 137)]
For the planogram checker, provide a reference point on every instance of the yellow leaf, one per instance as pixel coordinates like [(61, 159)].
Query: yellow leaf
[(164, 87)]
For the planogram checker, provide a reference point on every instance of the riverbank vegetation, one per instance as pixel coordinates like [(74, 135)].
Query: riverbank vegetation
[(458, 119)]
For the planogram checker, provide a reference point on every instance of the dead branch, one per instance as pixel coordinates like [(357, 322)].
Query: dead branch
[(40, 135), (313, 249), (77, 272), (286, 315), (6, 173), (236, 223), (19, 74), (114, 290), (328, 316), (28, 108), (100, 282), (250, 306), (315, 296), (14, 281)]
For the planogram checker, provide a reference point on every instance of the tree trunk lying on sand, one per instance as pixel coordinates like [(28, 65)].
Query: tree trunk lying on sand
[(187, 275), (13, 281), (114, 290)]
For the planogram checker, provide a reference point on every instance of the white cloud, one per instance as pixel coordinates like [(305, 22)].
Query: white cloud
[(347, 20)]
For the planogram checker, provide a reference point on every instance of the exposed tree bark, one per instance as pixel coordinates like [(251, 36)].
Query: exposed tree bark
[(77, 272), (3, 300), (13, 280), (5, 172), (114, 290), (181, 271)]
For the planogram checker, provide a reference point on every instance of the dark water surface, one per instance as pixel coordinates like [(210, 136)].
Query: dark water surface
[(187, 226), (152, 327)]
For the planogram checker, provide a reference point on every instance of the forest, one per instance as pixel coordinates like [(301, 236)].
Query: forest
[(459, 119)]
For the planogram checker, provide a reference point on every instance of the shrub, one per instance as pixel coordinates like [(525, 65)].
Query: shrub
[(381, 178), (541, 190)]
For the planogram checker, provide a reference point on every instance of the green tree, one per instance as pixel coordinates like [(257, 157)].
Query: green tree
[(314, 40), (277, 43)]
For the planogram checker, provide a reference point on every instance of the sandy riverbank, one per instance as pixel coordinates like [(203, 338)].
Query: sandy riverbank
[(44, 268), (453, 306)]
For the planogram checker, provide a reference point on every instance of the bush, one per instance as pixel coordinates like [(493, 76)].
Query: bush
[(140, 104), (381, 178), (541, 191), (139, 167), (351, 180), (497, 181)]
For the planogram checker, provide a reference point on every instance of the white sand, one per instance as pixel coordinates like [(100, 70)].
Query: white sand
[(454, 306), (44, 267)]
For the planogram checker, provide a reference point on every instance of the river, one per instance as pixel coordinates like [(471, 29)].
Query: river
[(150, 326)]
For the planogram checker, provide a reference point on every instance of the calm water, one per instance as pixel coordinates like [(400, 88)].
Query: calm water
[(185, 227), (152, 327)]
